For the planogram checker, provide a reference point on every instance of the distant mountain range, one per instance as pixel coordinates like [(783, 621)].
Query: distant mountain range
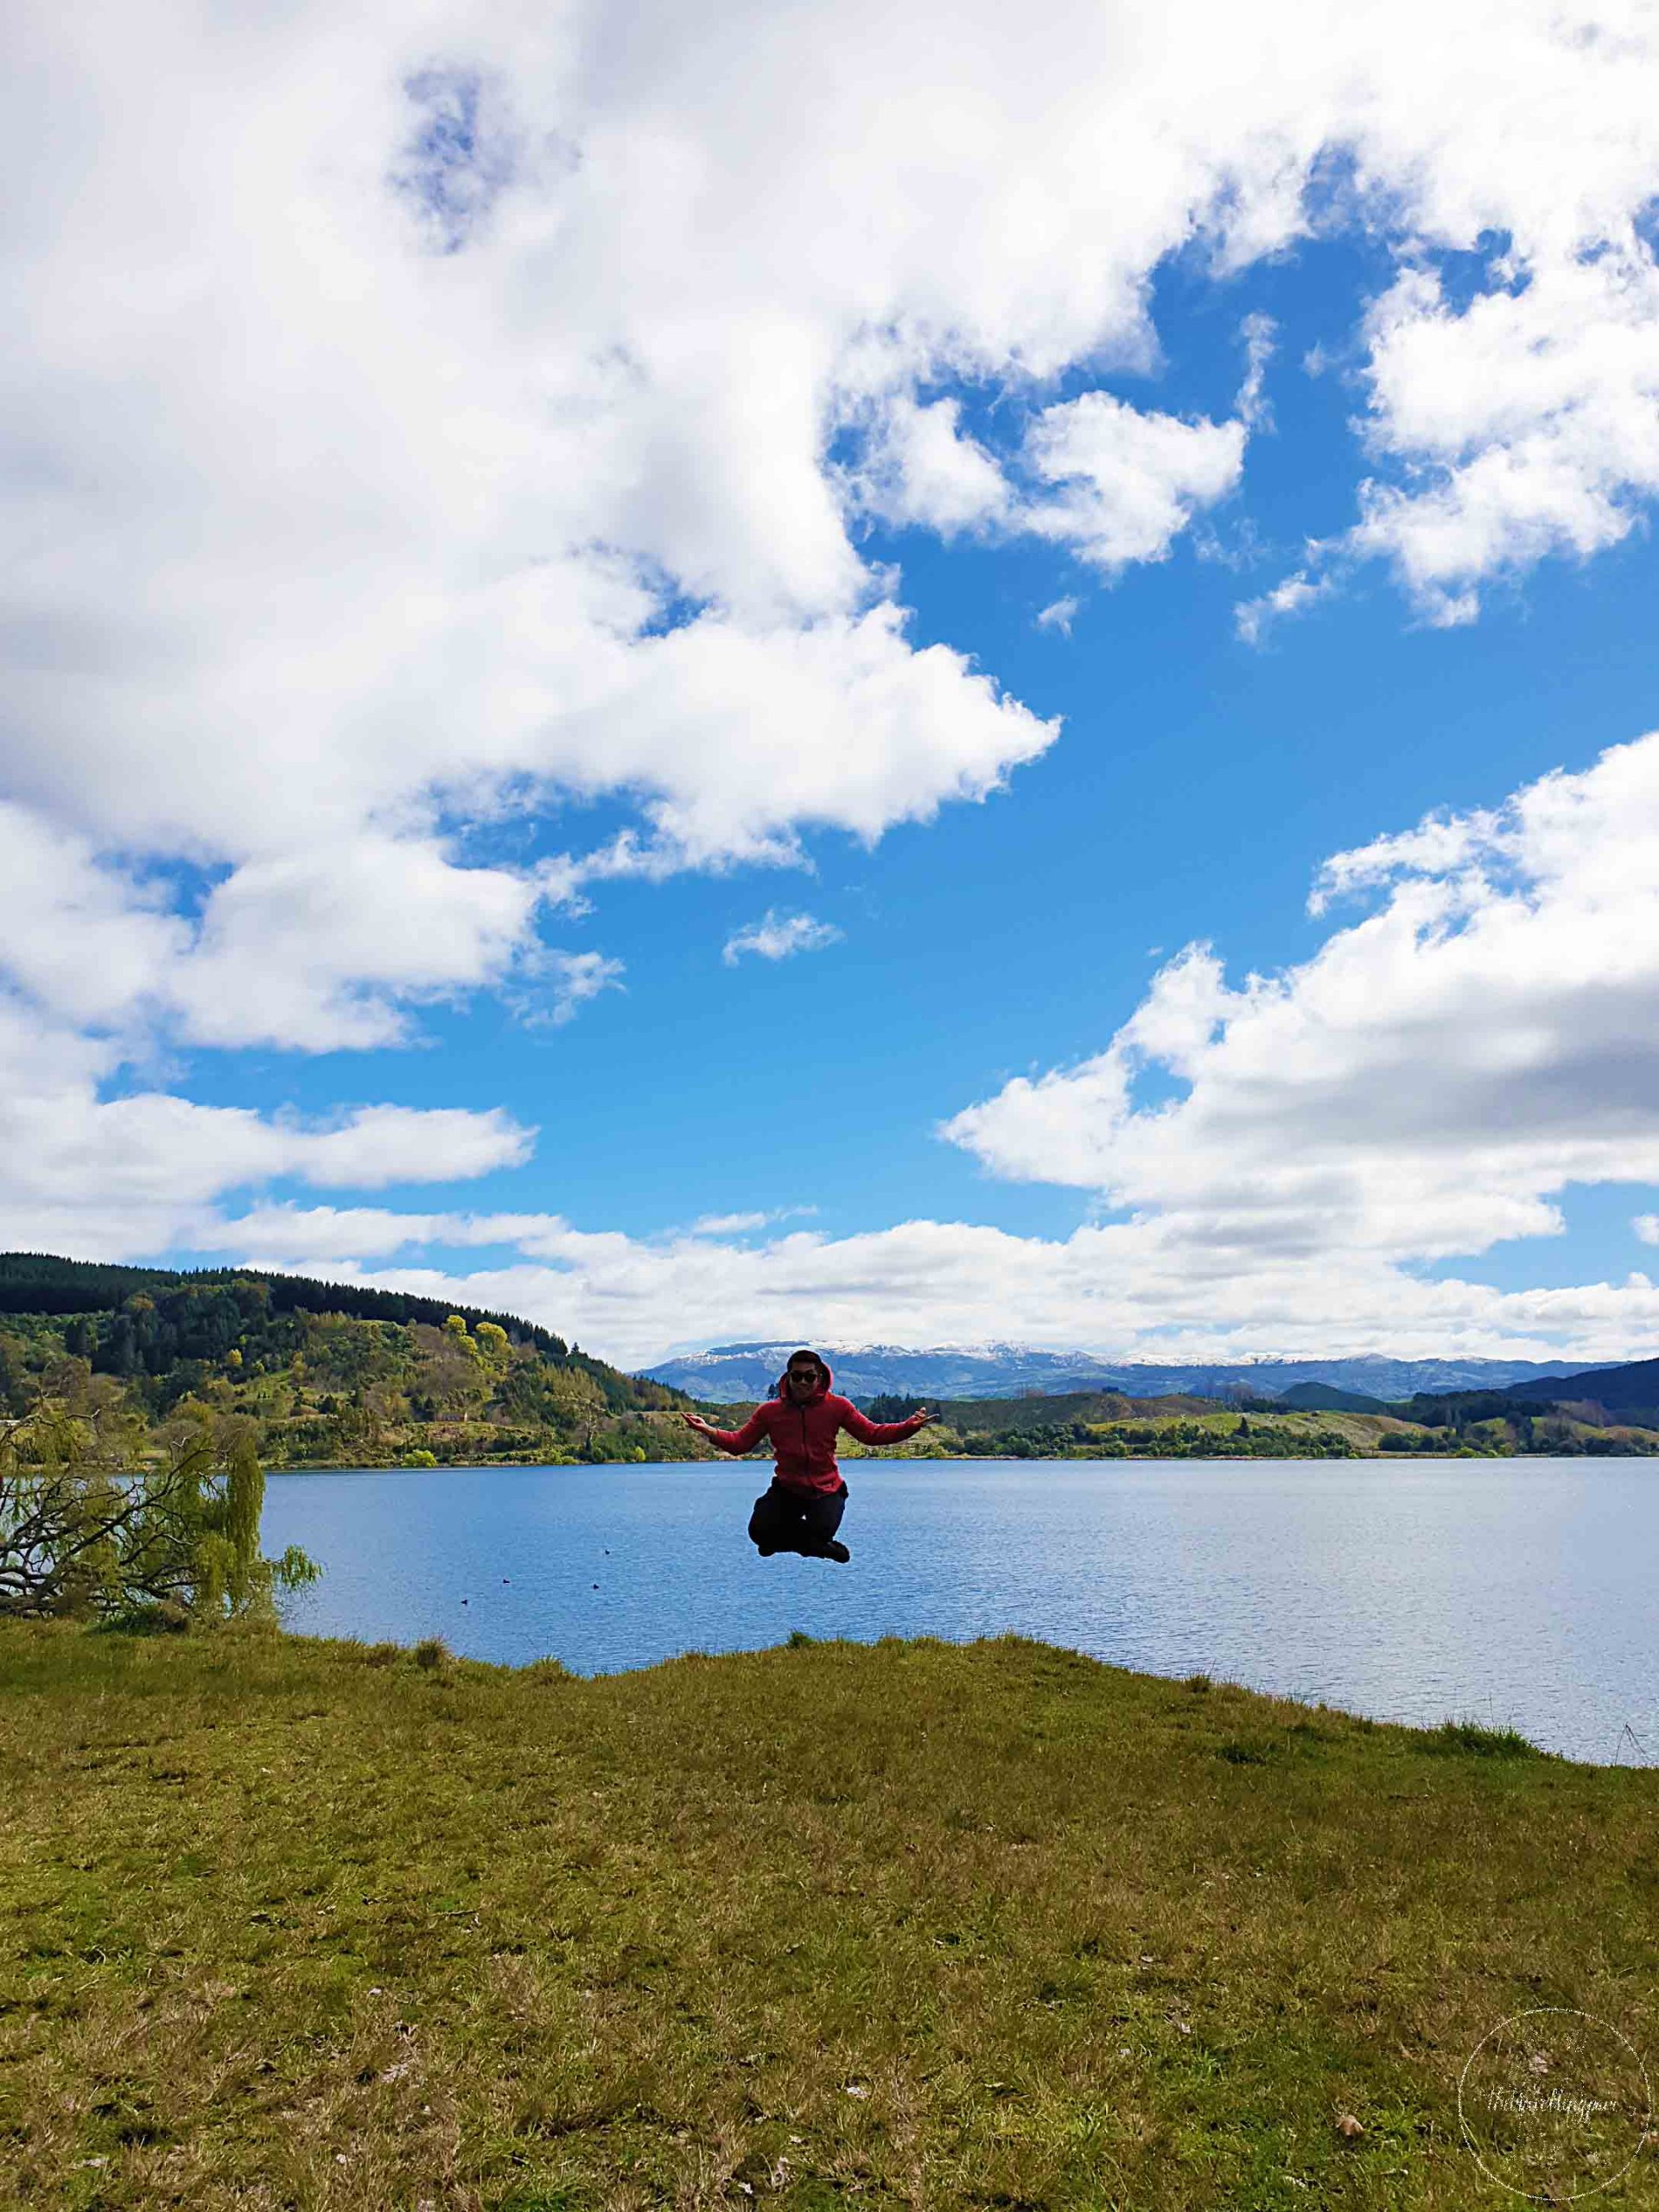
[(729, 1373)]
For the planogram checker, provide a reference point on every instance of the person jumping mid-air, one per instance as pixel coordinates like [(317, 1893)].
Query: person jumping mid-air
[(803, 1510)]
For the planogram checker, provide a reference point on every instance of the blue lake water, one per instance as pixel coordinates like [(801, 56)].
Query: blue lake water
[(1515, 1592)]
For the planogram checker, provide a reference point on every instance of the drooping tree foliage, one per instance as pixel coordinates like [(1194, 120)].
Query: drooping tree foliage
[(87, 1527)]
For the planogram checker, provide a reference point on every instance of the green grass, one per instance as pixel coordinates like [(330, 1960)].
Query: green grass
[(288, 1923)]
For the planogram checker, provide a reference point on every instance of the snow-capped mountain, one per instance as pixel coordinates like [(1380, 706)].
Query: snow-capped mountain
[(729, 1373)]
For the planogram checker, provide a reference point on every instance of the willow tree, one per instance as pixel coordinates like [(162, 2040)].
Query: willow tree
[(91, 1523)]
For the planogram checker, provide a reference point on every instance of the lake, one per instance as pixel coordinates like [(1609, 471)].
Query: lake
[(1515, 1592)]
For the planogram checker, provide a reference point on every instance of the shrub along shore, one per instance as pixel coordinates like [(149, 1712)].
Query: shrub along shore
[(297, 1923)]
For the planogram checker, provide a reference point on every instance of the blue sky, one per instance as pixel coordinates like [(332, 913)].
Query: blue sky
[(704, 512)]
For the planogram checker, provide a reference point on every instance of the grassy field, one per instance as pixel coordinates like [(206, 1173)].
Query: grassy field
[(912, 1923)]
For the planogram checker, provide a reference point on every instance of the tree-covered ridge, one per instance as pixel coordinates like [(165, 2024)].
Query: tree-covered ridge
[(327, 1375), (1106, 1424), (38, 1283)]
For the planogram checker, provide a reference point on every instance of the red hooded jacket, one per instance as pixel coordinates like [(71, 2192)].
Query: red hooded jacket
[(803, 1437)]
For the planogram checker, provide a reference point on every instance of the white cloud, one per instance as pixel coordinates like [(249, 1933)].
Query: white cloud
[(1121, 1289), (381, 385), (1427, 1085), (1442, 844), (777, 936), (563, 982), (741, 1224), (315, 1239), (1259, 332), (316, 948), (1252, 618), (79, 933), (136, 1173), (1529, 418), (921, 469), (1430, 1083), (382, 1145), (308, 515), (1059, 614), (745, 739), (1448, 1065), (1133, 482)]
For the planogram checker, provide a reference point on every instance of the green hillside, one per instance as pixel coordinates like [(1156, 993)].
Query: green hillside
[(333, 1374), (1102, 1424), (1600, 1395), (1326, 1398)]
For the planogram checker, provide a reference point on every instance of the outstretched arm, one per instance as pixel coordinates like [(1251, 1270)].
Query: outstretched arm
[(737, 1440), (883, 1432)]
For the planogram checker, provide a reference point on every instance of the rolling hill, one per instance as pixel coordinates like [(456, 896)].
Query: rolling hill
[(330, 1373)]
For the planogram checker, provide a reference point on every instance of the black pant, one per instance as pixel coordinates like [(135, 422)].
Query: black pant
[(787, 1520)]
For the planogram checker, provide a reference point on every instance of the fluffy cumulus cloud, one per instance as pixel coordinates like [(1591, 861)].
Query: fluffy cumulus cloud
[(421, 416), (1311, 1146), (1427, 1086), (1122, 1288), (1130, 481), (1529, 419), (1116, 483), (146, 1170), (79, 933), (314, 947), (920, 468), (396, 382)]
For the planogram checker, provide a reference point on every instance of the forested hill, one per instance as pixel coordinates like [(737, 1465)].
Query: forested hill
[(1624, 1394), (333, 1373), (37, 1282)]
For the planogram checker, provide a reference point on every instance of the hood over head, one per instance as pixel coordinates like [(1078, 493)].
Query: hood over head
[(825, 1378)]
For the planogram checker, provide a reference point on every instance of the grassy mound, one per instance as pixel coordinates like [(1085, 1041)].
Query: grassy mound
[(289, 1923)]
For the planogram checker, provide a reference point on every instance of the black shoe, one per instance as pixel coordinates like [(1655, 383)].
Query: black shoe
[(836, 1549)]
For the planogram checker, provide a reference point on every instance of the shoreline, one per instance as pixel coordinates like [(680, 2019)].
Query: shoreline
[(1401, 1460)]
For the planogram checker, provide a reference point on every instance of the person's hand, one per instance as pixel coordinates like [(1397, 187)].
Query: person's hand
[(695, 1421), (922, 1418)]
